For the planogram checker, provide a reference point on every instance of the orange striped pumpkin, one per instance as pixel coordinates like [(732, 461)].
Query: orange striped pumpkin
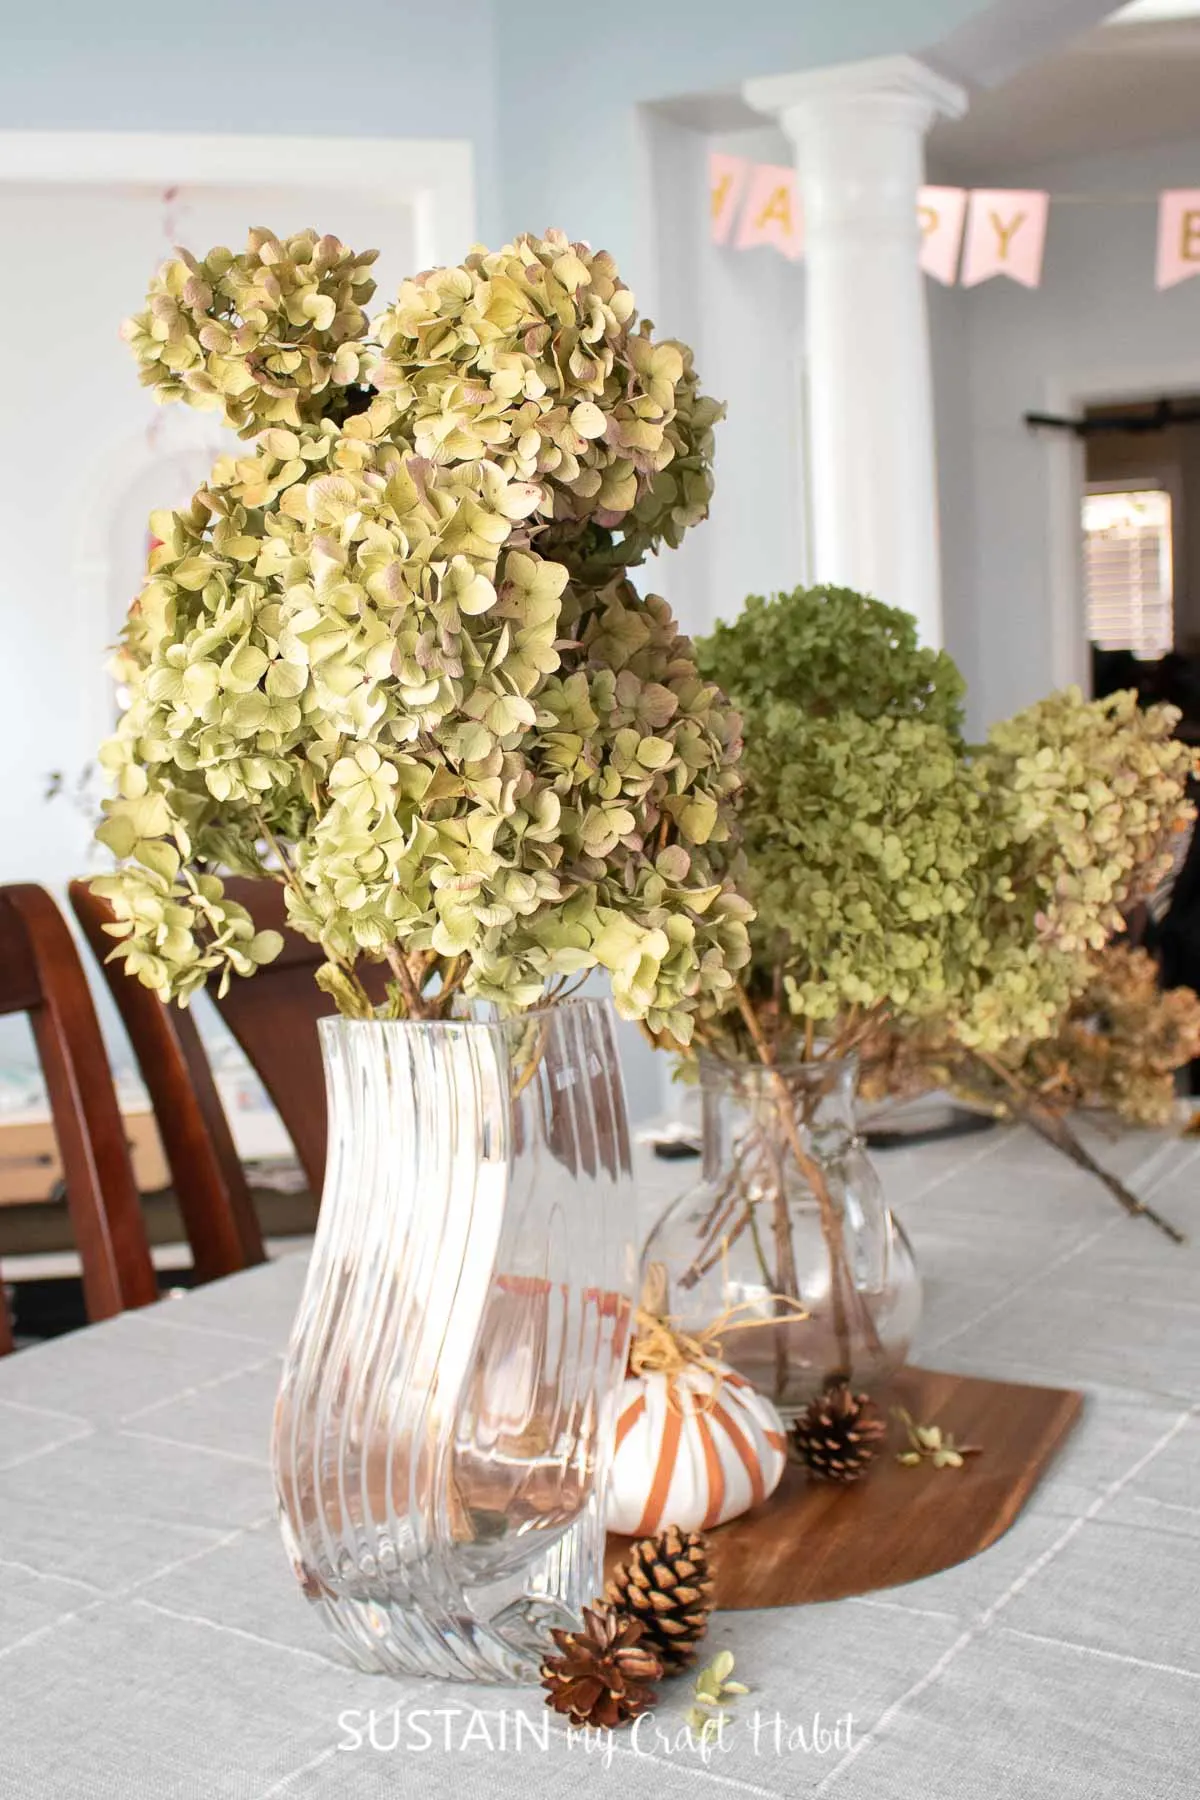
[(693, 1449)]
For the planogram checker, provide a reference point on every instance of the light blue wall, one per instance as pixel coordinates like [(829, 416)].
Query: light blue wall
[(549, 92), (569, 88), (376, 68)]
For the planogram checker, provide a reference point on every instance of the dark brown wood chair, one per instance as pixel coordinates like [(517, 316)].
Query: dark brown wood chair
[(210, 1184), (273, 1016), (41, 975)]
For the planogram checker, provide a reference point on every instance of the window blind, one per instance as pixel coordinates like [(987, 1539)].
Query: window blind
[(1127, 570)]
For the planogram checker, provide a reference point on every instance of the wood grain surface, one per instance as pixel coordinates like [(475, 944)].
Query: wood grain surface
[(816, 1541)]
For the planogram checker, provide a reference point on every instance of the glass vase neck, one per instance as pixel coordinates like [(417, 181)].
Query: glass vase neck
[(804, 1106), (808, 1082)]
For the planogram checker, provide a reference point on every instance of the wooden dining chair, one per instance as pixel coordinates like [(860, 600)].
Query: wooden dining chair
[(273, 1016), (41, 975), (209, 1182)]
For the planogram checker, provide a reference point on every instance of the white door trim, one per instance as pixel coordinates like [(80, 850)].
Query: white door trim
[(1066, 396), (435, 176)]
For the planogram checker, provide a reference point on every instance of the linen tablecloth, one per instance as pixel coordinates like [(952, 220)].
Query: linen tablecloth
[(153, 1645)]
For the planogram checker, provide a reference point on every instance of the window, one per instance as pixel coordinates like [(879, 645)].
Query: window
[(1127, 570)]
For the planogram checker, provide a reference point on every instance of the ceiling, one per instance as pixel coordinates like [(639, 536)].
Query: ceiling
[(1125, 85)]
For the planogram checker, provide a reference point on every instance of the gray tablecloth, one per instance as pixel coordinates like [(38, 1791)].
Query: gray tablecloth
[(153, 1645)]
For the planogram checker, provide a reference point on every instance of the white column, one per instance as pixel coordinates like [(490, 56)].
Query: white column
[(859, 135)]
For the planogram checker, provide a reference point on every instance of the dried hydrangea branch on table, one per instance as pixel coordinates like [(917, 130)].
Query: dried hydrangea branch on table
[(390, 654), (1115, 1050)]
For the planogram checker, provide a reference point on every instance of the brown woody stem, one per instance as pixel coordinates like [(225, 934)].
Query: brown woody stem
[(1051, 1126), (288, 879), (398, 964), (840, 1284)]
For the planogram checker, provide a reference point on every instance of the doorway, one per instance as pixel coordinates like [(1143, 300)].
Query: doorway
[(1140, 525)]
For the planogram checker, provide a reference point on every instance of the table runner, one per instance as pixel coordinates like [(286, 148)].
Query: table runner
[(153, 1645)]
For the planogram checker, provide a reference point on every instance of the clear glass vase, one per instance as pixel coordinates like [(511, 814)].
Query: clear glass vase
[(789, 1214), (443, 1427)]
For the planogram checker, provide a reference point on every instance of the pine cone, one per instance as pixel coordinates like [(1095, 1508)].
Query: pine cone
[(667, 1584), (837, 1435), (603, 1674)]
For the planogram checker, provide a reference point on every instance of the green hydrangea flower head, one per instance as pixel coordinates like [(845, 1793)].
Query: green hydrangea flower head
[(828, 650), (861, 822), (902, 876)]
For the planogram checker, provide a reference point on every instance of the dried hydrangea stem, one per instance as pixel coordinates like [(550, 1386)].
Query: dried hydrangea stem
[(286, 877), (839, 1275), (1055, 1130), (414, 1001)]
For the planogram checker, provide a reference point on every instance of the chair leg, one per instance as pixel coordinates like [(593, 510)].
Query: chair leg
[(6, 1335), (102, 1197)]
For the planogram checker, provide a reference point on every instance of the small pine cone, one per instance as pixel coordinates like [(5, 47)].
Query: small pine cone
[(603, 1673), (667, 1584), (837, 1435)]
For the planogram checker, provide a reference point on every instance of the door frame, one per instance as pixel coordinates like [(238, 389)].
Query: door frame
[(1067, 396), (434, 176)]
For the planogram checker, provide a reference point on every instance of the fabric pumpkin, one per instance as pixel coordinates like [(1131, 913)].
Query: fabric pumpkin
[(694, 1448)]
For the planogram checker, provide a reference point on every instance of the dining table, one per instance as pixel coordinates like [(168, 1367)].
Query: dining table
[(154, 1644)]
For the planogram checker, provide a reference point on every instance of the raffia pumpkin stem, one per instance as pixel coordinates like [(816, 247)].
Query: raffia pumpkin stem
[(660, 1348)]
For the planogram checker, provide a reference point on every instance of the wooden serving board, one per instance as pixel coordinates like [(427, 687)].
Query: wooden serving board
[(816, 1541)]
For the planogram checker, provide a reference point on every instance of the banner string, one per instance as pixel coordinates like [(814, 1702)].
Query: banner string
[(1104, 199), (967, 234)]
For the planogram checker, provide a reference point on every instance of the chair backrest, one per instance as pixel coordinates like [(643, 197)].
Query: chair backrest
[(209, 1182), (274, 1017), (41, 974)]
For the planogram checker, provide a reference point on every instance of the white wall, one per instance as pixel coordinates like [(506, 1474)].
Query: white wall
[(743, 315), (1097, 328)]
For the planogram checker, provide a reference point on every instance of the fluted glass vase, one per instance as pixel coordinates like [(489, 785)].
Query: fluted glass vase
[(789, 1218), (443, 1427)]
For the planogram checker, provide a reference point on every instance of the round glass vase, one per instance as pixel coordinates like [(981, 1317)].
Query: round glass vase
[(444, 1424), (789, 1215)]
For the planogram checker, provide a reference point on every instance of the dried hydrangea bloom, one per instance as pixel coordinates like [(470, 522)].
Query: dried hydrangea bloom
[(267, 337), (1121, 1043), (355, 663), (1083, 799), (861, 823), (531, 356)]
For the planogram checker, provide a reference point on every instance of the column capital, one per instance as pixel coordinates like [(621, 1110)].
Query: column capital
[(874, 79)]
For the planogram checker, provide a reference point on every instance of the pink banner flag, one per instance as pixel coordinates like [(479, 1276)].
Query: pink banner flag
[(940, 214), (1006, 234), (726, 179), (771, 214), (1178, 236)]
